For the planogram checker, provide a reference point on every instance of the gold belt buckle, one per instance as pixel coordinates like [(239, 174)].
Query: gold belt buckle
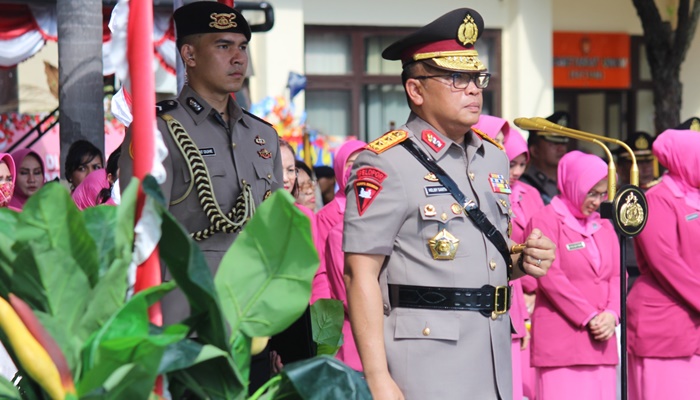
[(501, 291)]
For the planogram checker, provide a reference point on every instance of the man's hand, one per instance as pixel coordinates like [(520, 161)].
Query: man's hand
[(538, 254), (602, 326)]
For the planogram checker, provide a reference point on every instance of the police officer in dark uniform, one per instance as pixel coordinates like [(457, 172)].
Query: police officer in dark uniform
[(546, 150), (231, 154)]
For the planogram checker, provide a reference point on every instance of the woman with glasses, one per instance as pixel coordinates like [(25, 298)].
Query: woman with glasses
[(664, 305), (574, 349), (306, 195)]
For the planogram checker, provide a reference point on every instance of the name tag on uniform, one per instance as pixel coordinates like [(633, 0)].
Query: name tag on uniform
[(691, 217), (207, 152), (435, 190), (575, 246)]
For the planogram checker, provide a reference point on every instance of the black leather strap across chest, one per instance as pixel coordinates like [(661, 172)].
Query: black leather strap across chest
[(242, 211), (471, 209)]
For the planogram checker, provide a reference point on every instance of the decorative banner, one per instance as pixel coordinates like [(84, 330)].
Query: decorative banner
[(591, 60)]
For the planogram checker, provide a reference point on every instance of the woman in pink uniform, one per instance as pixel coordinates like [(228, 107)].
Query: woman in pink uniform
[(332, 213), (524, 201), (664, 304), (573, 326)]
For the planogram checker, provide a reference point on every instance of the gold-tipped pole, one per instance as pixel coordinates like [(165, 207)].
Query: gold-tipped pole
[(535, 124), (634, 170)]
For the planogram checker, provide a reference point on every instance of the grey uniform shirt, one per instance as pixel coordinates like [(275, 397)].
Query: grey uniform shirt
[(244, 149), (465, 354)]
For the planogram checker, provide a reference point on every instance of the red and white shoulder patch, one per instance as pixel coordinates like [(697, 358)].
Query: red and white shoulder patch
[(367, 187)]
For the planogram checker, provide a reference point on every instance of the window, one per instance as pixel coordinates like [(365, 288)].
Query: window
[(352, 91)]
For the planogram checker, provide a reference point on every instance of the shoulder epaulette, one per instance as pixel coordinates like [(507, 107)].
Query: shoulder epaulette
[(258, 118), (165, 106), (387, 141), (488, 139)]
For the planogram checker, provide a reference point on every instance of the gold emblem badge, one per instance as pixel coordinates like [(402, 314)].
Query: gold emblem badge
[(429, 210), (431, 177), (223, 20), (468, 31), (443, 246), (631, 213), (387, 141), (695, 125), (456, 208), (641, 143)]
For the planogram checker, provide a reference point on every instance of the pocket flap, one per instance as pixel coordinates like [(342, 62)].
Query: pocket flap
[(427, 326)]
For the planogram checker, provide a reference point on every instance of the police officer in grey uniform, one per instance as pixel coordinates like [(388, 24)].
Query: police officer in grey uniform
[(546, 150), (205, 127), (427, 290)]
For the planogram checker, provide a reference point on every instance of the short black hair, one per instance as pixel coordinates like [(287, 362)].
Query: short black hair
[(76, 153)]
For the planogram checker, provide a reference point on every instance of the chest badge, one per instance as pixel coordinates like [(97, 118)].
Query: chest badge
[(456, 209), (499, 184), (430, 177), (429, 210), (443, 246), (264, 153), (259, 141)]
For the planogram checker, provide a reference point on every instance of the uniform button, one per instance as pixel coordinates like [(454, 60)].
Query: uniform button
[(233, 145), (492, 264), (472, 176), (386, 307), (243, 181), (426, 332), (444, 216), (494, 316), (269, 176)]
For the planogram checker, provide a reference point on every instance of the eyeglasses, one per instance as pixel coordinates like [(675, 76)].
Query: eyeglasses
[(308, 185), (461, 80), (594, 195)]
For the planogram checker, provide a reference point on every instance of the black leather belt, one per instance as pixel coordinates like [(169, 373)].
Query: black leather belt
[(486, 299)]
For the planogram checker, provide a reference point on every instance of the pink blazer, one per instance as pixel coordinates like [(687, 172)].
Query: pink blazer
[(664, 304), (318, 286), (335, 266), (572, 292), (327, 217), (525, 201)]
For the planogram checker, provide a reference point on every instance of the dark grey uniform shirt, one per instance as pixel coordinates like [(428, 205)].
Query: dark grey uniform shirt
[(537, 179), (244, 149), (464, 354)]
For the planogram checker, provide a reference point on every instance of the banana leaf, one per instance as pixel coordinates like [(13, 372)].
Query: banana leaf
[(8, 223), (327, 317), (264, 280)]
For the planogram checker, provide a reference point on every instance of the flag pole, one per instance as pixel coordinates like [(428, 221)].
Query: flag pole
[(140, 56)]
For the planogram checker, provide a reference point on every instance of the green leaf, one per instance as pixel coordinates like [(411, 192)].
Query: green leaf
[(8, 224), (264, 280), (125, 339), (51, 220), (186, 353), (99, 223), (8, 390), (189, 269), (327, 325), (126, 212), (105, 299), (321, 378), (212, 379)]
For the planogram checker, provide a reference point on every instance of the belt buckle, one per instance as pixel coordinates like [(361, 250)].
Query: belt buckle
[(501, 292)]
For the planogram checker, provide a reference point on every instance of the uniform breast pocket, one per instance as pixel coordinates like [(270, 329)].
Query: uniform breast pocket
[(501, 211), (216, 184), (264, 172), (440, 220), (427, 325)]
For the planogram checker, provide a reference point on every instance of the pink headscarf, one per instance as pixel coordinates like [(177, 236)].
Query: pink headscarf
[(679, 151), (86, 194), (576, 175), (19, 198), (6, 192), (491, 125), (516, 145), (341, 157)]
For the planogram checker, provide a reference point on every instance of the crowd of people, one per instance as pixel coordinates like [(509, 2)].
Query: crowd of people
[(415, 231)]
